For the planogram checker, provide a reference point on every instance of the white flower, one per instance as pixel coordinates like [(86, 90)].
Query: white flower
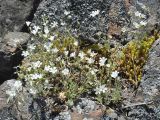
[(66, 53), (66, 12), (108, 65), (140, 15), (36, 28), (28, 23), (36, 76), (47, 68), (11, 93), (46, 30), (63, 62), (143, 23), (34, 32), (143, 16), (100, 45), (29, 68), (45, 35), (123, 29), (36, 64), (50, 69), (47, 85), (136, 25), (81, 55), (25, 53), (100, 89), (76, 43), (114, 74), (94, 13), (89, 51), (51, 38), (137, 14), (31, 47), (17, 85), (55, 50), (63, 23), (45, 22), (73, 54), (102, 61), (69, 16), (48, 46), (32, 91), (58, 58), (93, 72), (90, 60), (92, 54), (65, 71), (54, 24), (53, 70)]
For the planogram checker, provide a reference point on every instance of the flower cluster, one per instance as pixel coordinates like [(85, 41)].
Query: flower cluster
[(94, 13), (61, 62), (100, 89), (56, 64)]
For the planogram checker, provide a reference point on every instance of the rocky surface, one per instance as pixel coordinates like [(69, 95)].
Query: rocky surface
[(7, 114), (10, 53), (150, 83), (6, 111), (38, 108), (14, 13), (93, 20)]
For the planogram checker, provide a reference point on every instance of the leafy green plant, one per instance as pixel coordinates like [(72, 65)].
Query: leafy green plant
[(61, 68)]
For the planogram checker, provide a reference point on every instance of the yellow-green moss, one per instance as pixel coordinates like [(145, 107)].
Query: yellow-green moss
[(133, 58)]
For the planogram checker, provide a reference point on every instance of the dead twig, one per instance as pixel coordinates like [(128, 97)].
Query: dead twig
[(136, 104)]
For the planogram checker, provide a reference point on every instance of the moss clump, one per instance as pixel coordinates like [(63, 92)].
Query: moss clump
[(133, 57)]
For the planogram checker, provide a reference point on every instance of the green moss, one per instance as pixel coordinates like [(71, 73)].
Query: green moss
[(134, 56)]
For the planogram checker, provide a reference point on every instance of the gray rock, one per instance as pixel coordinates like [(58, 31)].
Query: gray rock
[(3, 88), (6, 111), (63, 116), (150, 84), (151, 10), (142, 113), (13, 40), (79, 17), (10, 56), (7, 114), (28, 108), (14, 13), (85, 106), (121, 118)]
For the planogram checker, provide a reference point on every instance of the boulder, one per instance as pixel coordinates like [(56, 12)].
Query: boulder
[(10, 54), (150, 84), (14, 13), (94, 20), (6, 112)]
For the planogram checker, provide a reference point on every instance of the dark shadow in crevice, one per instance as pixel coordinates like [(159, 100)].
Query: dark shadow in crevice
[(8, 62)]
